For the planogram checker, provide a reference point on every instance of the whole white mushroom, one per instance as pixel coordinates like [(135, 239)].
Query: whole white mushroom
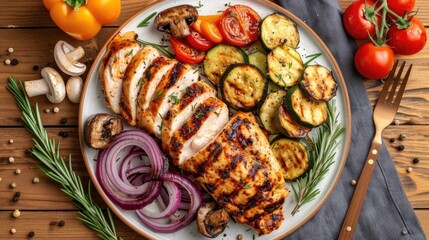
[(51, 84), (74, 89)]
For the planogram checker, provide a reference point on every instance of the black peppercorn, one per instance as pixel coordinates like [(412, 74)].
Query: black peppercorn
[(28, 151), (61, 133), (31, 234), (14, 62), (18, 194), (35, 67), (392, 140), (65, 134), (401, 147), (63, 120), (15, 199), (62, 223), (416, 160)]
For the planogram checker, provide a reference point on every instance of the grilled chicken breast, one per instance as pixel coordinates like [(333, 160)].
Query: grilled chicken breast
[(199, 130), (133, 81), (180, 112), (239, 170), (119, 53), (151, 78), (168, 92)]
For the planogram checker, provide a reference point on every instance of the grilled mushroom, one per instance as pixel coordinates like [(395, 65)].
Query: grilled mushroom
[(101, 129), (211, 221), (176, 20)]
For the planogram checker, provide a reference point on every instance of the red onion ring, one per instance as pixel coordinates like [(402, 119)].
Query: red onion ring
[(173, 205)]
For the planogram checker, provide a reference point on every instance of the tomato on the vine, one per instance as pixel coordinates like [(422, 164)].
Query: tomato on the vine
[(355, 22), (186, 53), (196, 40), (407, 41), (401, 7), (374, 62), (239, 25)]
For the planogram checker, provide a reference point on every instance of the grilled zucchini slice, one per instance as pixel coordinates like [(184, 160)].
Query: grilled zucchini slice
[(277, 29), (285, 66), (292, 155), (318, 83), (243, 87), (287, 124), (306, 111), (268, 112), (219, 58), (259, 59)]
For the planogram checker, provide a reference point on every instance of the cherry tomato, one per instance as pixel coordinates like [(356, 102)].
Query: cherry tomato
[(198, 42), (407, 41), (374, 62), (211, 32), (239, 25), (401, 7), (355, 22), (186, 53)]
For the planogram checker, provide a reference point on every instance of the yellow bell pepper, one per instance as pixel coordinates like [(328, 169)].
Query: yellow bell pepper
[(82, 19)]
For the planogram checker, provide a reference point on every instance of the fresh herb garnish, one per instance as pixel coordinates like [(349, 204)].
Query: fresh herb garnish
[(247, 186), (312, 58), (129, 53), (145, 21), (199, 5), (48, 152), (325, 145), (199, 114), (162, 122), (161, 48), (139, 83), (158, 94), (174, 98), (289, 65)]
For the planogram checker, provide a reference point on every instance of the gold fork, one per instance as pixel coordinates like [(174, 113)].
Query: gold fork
[(384, 113)]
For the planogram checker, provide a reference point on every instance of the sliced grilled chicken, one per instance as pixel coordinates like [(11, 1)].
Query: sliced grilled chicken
[(239, 170), (133, 81), (183, 110), (199, 130), (169, 90), (119, 53)]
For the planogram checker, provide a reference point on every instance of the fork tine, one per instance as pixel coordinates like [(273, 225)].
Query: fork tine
[(402, 88), (395, 83), (387, 84)]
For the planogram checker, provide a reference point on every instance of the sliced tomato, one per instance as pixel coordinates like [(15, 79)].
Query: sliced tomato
[(186, 53), (211, 32), (197, 41), (239, 25)]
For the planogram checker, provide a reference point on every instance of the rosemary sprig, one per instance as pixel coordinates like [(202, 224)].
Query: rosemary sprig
[(325, 145), (145, 21), (312, 58), (48, 152), (161, 48)]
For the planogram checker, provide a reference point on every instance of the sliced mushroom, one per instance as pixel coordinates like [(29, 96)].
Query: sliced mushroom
[(211, 220), (74, 89), (67, 57), (176, 20), (51, 84), (101, 129)]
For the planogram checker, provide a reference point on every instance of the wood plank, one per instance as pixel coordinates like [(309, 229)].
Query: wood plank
[(32, 13), (423, 216), (33, 51), (47, 195), (45, 226), (421, 5)]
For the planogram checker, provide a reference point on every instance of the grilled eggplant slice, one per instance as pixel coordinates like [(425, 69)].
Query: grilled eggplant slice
[(285, 66), (269, 111), (219, 58), (292, 155), (277, 29), (306, 111), (319, 83), (243, 87), (288, 126)]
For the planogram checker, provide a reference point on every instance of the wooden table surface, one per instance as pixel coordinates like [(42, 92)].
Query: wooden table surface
[(25, 25)]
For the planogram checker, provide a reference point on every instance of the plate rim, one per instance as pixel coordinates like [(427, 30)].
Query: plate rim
[(275, 7)]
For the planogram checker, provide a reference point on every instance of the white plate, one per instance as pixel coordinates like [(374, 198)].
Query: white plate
[(93, 102)]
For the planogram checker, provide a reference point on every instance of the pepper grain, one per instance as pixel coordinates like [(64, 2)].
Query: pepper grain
[(416, 160), (14, 62), (401, 147), (31, 234), (61, 223)]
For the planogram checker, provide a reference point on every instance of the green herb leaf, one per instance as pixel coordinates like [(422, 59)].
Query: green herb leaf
[(145, 21), (199, 5), (325, 145), (139, 83), (158, 94), (312, 58), (174, 98), (161, 48), (129, 53), (48, 152)]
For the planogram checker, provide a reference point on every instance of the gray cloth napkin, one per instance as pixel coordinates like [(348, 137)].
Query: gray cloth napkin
[(386, 213)]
